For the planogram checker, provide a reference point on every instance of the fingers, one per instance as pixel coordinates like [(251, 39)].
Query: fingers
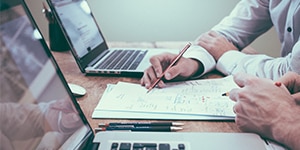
[(296, 98), (287, 79), (183, 69), (147, 77), (173, 72), (233, 94), (205, 39), (159, 63), (292, 81), (150, 77), (239, 79), (242, 79)]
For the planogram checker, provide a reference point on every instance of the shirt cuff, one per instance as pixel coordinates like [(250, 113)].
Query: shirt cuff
[(200, 54), (226, 64)]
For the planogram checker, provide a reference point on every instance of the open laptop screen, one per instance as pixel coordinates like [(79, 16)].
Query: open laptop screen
[(81, 28), (36, 108)]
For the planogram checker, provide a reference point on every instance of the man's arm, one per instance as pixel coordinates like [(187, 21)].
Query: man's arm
[(15, 117), (248, 20), (260, 65), (267, 109)]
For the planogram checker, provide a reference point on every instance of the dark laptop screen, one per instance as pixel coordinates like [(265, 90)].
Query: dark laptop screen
[(78, 22), (36, 108)]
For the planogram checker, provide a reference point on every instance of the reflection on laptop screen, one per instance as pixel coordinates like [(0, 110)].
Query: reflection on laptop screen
[(82, 30), (36, 109)]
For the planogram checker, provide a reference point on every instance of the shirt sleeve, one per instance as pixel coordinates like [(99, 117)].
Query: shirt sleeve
[(198, 53), (248, 20), (260, 65)]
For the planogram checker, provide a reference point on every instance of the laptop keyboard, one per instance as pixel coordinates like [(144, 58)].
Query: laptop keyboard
[(147, 146), (123, 60)]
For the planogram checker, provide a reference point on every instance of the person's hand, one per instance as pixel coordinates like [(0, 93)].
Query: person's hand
[(183, 69), (61, 116), (292, 81), (266, 109), (215, 44)]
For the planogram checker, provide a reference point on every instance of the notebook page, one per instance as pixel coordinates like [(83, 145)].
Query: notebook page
[(201, 97)]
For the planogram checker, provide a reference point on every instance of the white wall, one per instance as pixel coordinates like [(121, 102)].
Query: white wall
[(163, 20)]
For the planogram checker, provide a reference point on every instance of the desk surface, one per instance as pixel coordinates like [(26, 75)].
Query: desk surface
[(95, 86)]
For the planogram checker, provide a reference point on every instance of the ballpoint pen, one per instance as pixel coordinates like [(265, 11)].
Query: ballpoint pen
[(171, 64), (141, 124), (140, 128)]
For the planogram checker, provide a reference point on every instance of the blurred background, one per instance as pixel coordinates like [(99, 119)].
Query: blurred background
[(160, 20)]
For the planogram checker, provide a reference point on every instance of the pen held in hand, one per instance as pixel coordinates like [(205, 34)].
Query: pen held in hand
[(225, 94), (171, 64), (278, 84)]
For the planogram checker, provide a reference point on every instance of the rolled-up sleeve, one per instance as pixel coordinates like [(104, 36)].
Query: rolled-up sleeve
[(260, 65), (200, 54)]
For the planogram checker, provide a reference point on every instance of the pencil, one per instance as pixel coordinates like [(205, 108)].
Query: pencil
[(225, 94), (278, 84), (171, 64)]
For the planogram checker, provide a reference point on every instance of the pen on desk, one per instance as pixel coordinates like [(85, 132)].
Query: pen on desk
[(141, 124), (140, 128), (171, 64)]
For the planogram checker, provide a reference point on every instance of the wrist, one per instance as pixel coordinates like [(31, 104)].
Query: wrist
[(287, 132), (199, 68)]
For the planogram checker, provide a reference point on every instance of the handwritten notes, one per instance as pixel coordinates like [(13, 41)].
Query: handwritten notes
[(196, 97)]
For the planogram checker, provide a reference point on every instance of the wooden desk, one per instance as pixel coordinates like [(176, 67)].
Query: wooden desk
[(95, 86)]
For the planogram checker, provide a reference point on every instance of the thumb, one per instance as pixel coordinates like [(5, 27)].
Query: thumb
[(296, 96), (233, 94)]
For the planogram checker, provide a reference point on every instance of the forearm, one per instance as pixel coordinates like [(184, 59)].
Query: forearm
[(259, 65), (15, 117), (294, 140)]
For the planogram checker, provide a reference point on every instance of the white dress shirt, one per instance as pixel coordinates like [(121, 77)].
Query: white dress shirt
[(248, 20)]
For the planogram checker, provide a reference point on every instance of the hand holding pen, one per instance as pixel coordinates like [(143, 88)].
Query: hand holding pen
[(173, 62)]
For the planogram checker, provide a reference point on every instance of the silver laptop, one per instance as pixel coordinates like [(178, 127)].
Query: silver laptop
[(38, 110), (89, 47)]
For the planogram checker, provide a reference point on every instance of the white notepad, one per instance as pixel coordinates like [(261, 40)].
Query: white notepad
[(196, 99)]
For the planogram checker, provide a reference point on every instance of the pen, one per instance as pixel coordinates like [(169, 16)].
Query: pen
[(278, 84), (140, 128), (141, 124), (225, 94), (171, 64)]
